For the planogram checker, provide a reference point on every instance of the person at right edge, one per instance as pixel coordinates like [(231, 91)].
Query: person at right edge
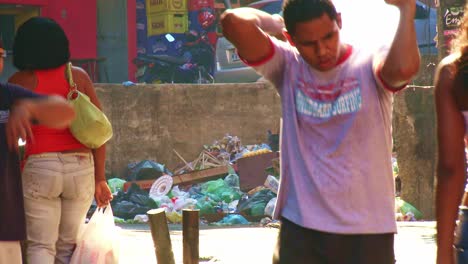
[(336, 198), (61, 175), (451, 100)]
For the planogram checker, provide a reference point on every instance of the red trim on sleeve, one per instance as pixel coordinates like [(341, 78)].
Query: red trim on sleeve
[(386, 85), (264, 60)]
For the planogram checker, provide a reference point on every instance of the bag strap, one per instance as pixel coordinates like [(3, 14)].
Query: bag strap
[(73, 86), (69, 75)]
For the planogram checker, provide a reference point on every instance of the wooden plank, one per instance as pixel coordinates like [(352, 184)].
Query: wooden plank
[(200, 176), (187, 178)]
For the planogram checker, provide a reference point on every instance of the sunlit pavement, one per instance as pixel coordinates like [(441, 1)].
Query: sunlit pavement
[(414, 243)]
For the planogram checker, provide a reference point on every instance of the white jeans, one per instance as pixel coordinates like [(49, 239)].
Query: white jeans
[(10, 252), (58, 190)]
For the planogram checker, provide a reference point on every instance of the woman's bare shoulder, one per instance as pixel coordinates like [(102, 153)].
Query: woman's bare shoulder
[(80, 73), (448, 63), (447, 70), (81, 78)]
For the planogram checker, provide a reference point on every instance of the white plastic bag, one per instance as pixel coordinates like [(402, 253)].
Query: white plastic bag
[(99, 242), (270, 207)]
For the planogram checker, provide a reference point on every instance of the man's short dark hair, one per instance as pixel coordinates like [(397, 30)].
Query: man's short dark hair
[(40, 43), (297, 11)]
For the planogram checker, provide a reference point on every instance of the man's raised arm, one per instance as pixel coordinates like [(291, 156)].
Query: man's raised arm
[(403, 60), (248, 28)]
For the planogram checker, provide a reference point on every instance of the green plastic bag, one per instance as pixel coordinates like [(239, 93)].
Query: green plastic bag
[(206, 206), (116, 184), (219, 191), (406, 207)]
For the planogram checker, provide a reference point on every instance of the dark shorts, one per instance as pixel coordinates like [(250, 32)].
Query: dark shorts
[(300, 245)]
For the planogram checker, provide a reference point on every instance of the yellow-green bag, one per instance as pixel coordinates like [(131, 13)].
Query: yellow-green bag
[(90, 126)]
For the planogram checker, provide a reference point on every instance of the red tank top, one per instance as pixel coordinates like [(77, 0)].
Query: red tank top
[(46, 139)]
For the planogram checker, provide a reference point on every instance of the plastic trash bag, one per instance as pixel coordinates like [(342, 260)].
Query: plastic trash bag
[(406, 209), (184, 203), (146, 170), (270, 207), (255, 205), (161, 200), (174, 217), (206, 205), (176, 192), (212, 186), (99, 241), (232, 180), (233, 219), (141, 218), (128, 210), (272, 183), (116, 184), (218, 191)]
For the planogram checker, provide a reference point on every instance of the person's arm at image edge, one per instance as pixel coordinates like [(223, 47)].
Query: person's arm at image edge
[(403, 59), (51, 111), (450, 164)]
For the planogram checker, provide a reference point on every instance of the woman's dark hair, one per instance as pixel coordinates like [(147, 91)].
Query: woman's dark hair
[(40, 43), (297, 11)]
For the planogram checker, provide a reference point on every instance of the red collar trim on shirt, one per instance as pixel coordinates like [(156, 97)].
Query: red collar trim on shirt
[(262, 61), (345, 56)]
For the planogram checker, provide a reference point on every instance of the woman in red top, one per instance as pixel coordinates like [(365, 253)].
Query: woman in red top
[(60, 174)]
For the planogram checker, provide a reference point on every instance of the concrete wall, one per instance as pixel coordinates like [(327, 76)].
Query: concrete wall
[(415, 139), (150, 121)]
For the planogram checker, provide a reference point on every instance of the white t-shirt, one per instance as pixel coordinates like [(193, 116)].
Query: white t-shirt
[(336, 145)]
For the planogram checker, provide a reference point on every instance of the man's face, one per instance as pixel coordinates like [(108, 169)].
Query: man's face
[(318, 41)]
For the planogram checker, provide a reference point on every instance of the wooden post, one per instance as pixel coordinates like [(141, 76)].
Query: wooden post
[(190, 233), (161, 237)]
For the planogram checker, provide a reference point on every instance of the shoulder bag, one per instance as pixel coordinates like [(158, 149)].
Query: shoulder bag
[(90, 126)]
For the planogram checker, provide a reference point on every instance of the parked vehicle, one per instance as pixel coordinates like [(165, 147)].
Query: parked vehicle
[(156, 68), (425, 22), (169, 69), (198, 49), (229, 67), (191, 62)]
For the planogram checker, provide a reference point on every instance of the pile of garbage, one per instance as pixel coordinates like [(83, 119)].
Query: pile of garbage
[(221, 202)]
